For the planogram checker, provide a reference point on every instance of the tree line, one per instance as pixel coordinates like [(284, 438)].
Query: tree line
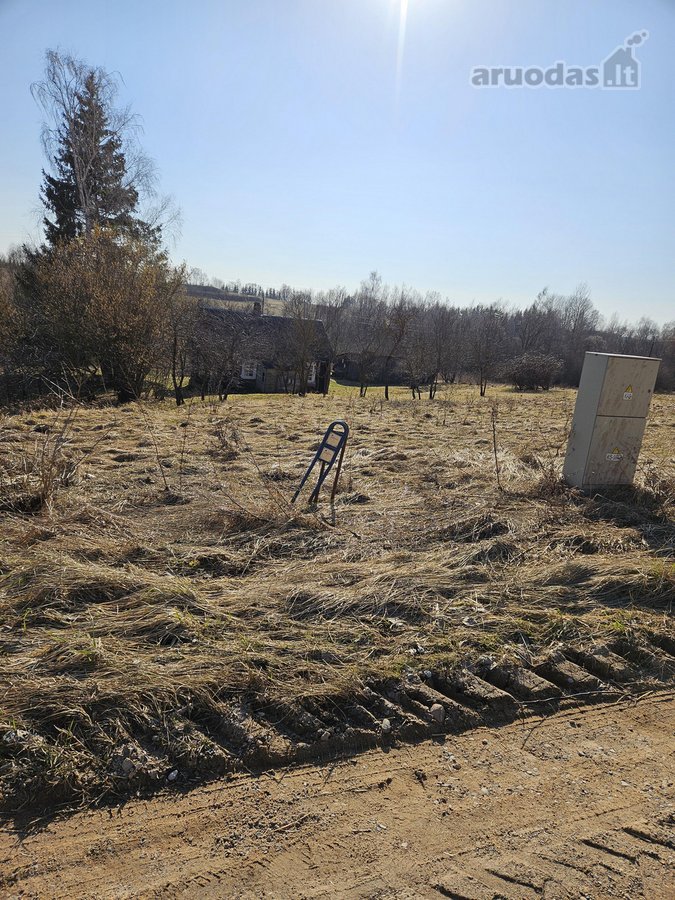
[(100, 306), (394, 335)]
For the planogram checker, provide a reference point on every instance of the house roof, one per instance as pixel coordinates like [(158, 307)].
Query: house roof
[(272, 340)]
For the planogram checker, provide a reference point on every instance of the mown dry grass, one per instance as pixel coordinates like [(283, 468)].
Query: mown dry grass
[(164, 608)]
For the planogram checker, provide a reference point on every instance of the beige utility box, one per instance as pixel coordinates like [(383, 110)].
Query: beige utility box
[(609, 419)]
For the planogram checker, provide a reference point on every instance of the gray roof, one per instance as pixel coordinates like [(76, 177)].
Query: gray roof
[(272, 340)]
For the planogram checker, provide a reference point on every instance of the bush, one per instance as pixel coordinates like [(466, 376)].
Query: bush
[(532, 371), (104, 301)]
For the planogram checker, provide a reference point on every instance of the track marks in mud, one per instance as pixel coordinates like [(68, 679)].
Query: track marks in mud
[(612, 862), (212, 738), (554, 823)]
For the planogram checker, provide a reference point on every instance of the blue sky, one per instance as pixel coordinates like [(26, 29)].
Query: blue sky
[(297, 155)]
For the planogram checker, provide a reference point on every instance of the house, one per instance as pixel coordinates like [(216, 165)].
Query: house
[(270, 354)]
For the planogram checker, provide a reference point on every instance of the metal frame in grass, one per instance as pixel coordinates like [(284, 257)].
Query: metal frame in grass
[(331, 448)]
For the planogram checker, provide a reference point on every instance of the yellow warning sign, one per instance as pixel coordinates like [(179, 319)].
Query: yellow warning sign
[(615, 456), (628, 393)]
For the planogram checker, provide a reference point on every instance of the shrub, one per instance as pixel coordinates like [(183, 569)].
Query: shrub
[(532, 371)]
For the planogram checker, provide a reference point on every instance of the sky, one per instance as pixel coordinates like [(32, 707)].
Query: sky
[(310, 142)]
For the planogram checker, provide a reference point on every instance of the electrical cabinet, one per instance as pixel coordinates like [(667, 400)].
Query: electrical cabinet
[(609, 419)]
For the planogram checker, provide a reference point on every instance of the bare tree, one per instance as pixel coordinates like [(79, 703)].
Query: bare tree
[(537, 328), (198, 276), (219, 347), (485, 342), (301, 349), (367, 333), (445, 338), (333, 308), (395, 321), (647, 335), (183, 316), (367, 340), (578, 319), (416, 347)]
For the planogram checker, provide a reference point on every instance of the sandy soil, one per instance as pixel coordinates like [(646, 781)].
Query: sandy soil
[(579, 804)]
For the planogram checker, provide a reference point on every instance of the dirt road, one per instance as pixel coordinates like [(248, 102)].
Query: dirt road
[(580, 804)]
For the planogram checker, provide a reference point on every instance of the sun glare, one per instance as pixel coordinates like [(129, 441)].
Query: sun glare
[(402, 19)]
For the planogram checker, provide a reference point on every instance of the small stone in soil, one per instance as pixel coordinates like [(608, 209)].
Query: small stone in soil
[(438, 713)]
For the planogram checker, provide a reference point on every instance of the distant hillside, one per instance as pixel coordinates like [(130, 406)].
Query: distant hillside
[(221, 298)]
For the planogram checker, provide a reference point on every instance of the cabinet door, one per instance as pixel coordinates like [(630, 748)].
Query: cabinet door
[(614, 450), (628, 386)]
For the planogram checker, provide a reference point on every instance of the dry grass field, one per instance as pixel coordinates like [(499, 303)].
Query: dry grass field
[(167, 616)]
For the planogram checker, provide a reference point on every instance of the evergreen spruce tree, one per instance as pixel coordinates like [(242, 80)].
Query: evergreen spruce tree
[(89, 185)]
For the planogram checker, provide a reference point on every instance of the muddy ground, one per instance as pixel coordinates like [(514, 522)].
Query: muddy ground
[(578, 804)]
